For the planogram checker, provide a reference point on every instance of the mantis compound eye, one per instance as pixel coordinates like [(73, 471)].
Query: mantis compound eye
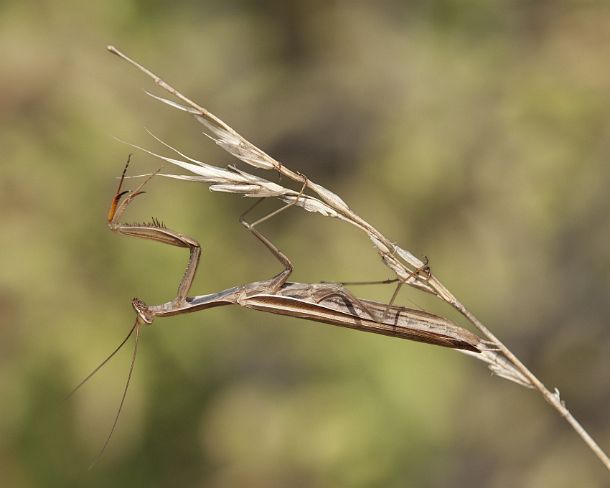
[(142, 310)]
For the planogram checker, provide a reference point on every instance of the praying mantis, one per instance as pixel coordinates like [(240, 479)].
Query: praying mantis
[(330, 303), (324, 302)]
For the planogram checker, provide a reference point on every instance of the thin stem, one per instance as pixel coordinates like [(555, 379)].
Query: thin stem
[(551, 398)]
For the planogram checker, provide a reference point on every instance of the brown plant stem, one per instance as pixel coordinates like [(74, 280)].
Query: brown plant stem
[(404, 264)]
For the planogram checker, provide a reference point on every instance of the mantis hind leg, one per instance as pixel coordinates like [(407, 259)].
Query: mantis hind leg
[(423, 270)]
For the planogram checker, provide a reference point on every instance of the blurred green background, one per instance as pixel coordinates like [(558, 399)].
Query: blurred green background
[(476, 133)]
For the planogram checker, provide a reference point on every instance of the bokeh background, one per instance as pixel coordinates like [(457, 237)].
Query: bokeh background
[(476, 133)]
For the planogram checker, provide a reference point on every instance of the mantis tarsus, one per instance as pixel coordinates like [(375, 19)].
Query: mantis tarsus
[(329, 303)]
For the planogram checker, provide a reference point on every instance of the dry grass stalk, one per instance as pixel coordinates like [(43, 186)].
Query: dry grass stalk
[(409, 269)]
